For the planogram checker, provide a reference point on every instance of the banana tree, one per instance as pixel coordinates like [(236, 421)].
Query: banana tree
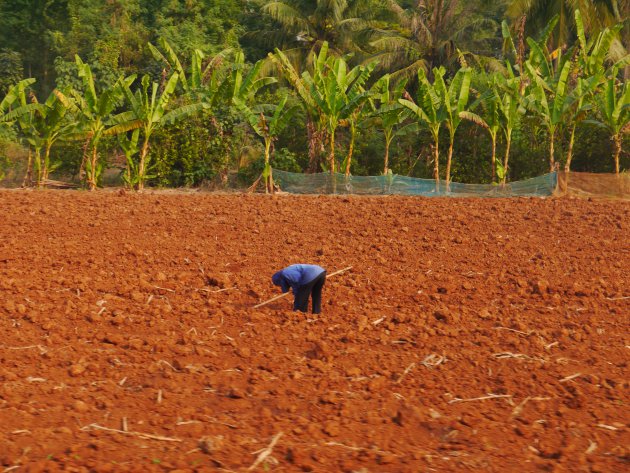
[(580, 110), (612, 104), (96, 117), (129, 145), (550, 100), (354, 120), (54, 122), (390, 114), (13, 107), (268, 127), (42, 125), (26, 117), (315, 126), (455, 99), (540, 57), (594, 52), (201, 82), (13, 96), (510, 110), (488, 117), (430, 111), (244, 84), (149, 113), (338, 92)]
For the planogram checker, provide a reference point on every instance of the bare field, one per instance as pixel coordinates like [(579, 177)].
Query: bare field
[(470, 335)]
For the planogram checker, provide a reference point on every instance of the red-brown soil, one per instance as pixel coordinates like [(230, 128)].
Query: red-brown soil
[(134, 312)]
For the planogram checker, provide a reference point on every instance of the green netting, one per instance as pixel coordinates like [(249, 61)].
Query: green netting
[(325, 183)]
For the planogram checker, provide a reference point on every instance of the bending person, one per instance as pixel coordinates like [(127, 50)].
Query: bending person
[(305, 280)]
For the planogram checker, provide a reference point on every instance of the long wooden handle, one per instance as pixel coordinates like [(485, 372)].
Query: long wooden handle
[(287, 293)]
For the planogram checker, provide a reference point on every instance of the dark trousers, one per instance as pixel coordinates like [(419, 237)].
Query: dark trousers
[(315, 288)]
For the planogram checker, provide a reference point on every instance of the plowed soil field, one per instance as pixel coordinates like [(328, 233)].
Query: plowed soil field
[(470, 335)]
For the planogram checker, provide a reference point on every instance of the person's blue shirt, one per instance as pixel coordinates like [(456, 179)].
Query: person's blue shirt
[(296, 275)]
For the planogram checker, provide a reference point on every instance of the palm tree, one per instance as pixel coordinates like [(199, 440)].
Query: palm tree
[(305, 25), (433, 33), (597, 13)]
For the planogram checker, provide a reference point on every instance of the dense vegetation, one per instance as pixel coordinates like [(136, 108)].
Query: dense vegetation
[(178, 92)]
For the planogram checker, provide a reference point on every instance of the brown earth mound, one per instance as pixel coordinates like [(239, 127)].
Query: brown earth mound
[(470, 335)]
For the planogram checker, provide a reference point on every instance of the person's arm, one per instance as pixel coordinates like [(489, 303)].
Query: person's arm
[(284, 285)]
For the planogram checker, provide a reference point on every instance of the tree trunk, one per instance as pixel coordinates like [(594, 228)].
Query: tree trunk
[(331, 155), (333, 178), (312, 145), (552, 160), (38, 166), (387, 144), (84, 159), (448, 162), (567, 165), (436, 163), (350, 149), (494, 156), (28, 176), (142, 164), (508, 144), (46, 168), (618, 143), (316, 146), (91, 178), (268, 187)]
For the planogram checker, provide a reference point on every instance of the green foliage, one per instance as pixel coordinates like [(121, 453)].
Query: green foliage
[(336, 91), (433, 33), (95, 116), (203, 110), (390, 114), (199, 150), (612, 103), (149, 111), (430, 109), (539, 12), (302, 27), (11, 70)]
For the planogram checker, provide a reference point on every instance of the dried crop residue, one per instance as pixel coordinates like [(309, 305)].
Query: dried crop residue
[(470, 335)]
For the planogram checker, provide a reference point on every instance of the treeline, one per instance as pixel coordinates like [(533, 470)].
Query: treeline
[(358, 87)]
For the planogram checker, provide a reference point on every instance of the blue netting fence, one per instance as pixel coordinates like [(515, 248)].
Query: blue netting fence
[(325, 183)]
